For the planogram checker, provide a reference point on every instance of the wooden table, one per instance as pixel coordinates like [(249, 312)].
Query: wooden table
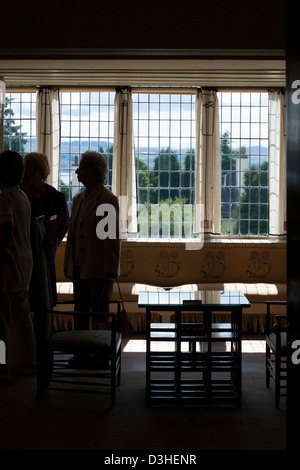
[(204, 363)]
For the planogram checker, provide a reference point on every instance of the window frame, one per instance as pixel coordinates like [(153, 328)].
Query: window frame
[(168, 90)]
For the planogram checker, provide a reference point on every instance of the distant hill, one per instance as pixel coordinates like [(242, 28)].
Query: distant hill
[(77, 147)]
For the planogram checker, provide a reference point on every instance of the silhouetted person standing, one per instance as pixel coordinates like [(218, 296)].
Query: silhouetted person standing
[(16, 328), (90, 261)]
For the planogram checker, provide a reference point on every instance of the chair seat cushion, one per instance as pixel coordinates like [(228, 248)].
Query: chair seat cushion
[(82, 340), (271, 340)]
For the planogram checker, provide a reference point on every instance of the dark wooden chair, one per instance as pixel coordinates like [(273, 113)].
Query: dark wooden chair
[(99, 367), (276, 350)]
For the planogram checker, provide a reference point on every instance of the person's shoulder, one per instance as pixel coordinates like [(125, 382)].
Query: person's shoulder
[(109, 194), (59, 195), (22, 195), (78, 197), (51, 189), (14, 195), (12, 192)]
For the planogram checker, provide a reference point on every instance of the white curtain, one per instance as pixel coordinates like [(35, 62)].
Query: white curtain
[(2, 106), (277, 163), (124, 174), (48, 135), (208, 164)]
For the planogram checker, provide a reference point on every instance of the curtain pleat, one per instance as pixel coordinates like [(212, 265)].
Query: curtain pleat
[(124, 174), (208, 164), (277, 163), (48, 126)]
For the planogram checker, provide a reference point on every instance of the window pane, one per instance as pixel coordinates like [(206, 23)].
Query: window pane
[(244, 163), (87, 123), (164, 133), (20, 122)]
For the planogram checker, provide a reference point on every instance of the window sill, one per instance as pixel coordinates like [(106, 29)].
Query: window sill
[(246, 240), (209, 239)]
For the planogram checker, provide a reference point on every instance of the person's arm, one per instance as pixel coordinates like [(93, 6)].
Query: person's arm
[(63, 218), (113, 248), (5, 231)]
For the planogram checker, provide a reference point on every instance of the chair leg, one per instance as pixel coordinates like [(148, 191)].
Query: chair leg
[(44, 373), (119, 373), (115, 376), (113, 397), (277, 399), (268, 355), (277, 380), (113, 371)]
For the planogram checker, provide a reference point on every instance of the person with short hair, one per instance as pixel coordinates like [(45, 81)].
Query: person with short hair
[(47, 201), (16, 328), (92, 262)]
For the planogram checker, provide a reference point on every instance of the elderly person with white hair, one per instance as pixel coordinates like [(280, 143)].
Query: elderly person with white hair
[(92, 255)]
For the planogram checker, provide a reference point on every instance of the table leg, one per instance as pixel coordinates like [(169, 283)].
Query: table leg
[(238, 327), (148, 343), (207, 318), (178, 387)]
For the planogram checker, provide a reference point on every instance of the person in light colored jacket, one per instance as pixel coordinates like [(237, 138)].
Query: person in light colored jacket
[(16, 327), (92, 256)]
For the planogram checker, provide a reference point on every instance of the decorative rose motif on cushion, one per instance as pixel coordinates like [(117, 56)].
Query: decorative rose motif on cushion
[(126, 263), (259, 264), (213, 265), (168, 264)]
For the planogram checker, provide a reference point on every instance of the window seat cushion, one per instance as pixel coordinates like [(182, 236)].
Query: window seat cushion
[(253, 317)]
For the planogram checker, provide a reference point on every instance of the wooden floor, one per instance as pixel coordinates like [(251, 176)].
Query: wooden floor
[(67, 421)]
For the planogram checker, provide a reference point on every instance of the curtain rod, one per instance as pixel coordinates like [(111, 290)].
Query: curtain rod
[(19, 89), (165, 89), (245, 89), (170, 89), (86, 88), (148, 90)]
